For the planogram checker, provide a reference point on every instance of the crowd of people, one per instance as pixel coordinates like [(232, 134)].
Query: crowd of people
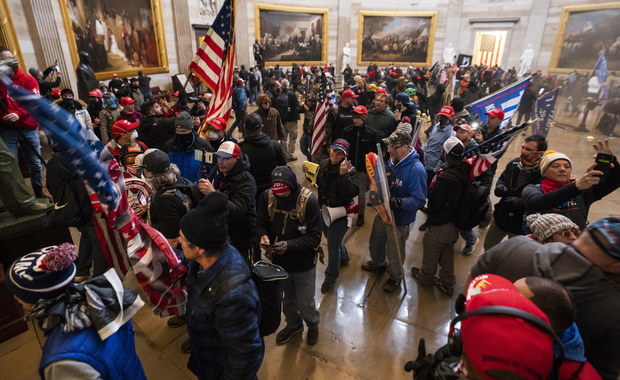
[(225, 204)]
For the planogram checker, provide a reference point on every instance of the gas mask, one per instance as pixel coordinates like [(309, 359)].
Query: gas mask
[(111, 103)]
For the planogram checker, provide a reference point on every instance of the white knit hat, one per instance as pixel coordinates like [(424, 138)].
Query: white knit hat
[(551, 156), (543, 226)]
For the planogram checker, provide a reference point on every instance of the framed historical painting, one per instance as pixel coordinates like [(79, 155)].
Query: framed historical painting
[(396, 37), (583, 34), (120, 36), (291, 34)]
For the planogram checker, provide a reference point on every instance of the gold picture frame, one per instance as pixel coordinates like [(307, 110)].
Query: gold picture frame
[(377, 41), (133, 35), (8, 38), (300, 25), (583, 32)]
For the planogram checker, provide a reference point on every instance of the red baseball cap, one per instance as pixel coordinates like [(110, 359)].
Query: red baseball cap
[(95, 94), (465, 127), (349, 94), (239, 81), (360, 110), (446, 111), (55, 92), (229, 149), (176, 93), (504, 342), (381, 90), (121, 127), (218, 123), (126, 100), (496, 112), (115, 75)]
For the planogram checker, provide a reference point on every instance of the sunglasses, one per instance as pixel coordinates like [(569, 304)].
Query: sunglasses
[(573, 232)]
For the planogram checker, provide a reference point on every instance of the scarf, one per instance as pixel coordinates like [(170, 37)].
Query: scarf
[(548, 185)]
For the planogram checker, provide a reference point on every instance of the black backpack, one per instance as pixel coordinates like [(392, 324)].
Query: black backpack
[(282, 105), (268, 280), (472, 206)]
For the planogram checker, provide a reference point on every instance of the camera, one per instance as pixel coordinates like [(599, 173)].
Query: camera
[(192, 99)]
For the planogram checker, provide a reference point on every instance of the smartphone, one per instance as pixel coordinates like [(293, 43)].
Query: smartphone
[(603, 162)]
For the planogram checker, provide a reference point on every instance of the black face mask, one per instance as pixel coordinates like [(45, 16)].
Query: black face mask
[(68, 103), (185, 140), (135, 86)]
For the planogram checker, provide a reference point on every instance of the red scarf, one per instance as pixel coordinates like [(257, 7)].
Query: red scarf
[(547, 185)]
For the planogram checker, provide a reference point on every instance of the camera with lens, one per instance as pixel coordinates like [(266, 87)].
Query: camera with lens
[(192, 99)]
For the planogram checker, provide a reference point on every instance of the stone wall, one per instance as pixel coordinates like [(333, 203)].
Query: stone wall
[(42, 38)]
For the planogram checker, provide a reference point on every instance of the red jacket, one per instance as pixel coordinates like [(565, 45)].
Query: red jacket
[(29, 83)]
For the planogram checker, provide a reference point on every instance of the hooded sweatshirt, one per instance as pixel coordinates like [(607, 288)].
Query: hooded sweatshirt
[(264, 154)]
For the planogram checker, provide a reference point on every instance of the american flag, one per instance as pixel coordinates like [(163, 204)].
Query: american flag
[(126, 241), (324, 106), (214, 64), (481, 157)]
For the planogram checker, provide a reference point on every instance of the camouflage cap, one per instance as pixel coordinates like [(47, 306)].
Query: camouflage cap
[(398, 137)]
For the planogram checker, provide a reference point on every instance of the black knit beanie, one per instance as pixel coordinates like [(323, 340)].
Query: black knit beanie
[(206, 226)]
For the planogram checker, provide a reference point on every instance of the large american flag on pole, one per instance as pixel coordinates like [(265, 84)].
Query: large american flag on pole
[(481, 157), (324, 106), (214, 64), (126, 241)]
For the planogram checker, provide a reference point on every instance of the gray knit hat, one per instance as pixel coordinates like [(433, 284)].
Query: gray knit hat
[(543, 226)]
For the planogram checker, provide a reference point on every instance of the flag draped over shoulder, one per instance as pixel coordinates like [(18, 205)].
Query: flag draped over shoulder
[(126, 241), (543, 112), (324, 106), (508, 99), (214, 63), (481, 157)]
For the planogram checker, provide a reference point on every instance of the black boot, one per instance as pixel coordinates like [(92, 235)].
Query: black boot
[(38, 192)]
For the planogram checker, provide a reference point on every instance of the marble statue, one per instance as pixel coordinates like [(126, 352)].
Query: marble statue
[(346, 55), (448, 54), (525, 62)]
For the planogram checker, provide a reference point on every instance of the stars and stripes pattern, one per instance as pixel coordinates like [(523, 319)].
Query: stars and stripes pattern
[(126, 241), (601, 66), (208, 63), (481, 157), (324, 104), (221, 103), (508, 99)]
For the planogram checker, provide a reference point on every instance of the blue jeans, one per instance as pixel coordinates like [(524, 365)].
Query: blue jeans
[(298, 303), (13, 138), (336, 251), (305, 143), (253, 95), (382, 244), (469, 236)]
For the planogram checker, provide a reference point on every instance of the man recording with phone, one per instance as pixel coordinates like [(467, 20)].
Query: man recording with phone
[(17, 127), (45, 86)]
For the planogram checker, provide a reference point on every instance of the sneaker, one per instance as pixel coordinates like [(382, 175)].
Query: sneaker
[(372, 267), (313, 335), (424, 226), (469, 248), (37, 207), (443, 288), (175, 321), (360, 220), (327, 286), (186, 347), (391, 285), (287, 333)]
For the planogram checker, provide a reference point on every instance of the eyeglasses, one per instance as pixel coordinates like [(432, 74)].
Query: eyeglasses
[(568, 234), (396, 147)]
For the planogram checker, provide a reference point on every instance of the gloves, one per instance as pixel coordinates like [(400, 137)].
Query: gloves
[(280, 247), (396, 202)]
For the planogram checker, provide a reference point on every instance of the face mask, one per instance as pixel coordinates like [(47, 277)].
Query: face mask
[(134, 170), (134, 135), (68, 102), (186, 140), (213, 135), (111, 103)]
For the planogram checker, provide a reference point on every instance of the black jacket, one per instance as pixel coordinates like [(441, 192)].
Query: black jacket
[(154, 131), (445, 194), (264, 154), (301, 245), (337, 121), (240, 187), (362, 140), (335, 190)]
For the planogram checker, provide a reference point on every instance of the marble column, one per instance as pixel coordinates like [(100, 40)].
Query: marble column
[(183, 34), (344, 34), (242, 33), (46, 38), (536, 23)]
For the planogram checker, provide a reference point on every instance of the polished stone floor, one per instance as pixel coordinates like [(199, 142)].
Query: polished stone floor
[(364, 332)]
